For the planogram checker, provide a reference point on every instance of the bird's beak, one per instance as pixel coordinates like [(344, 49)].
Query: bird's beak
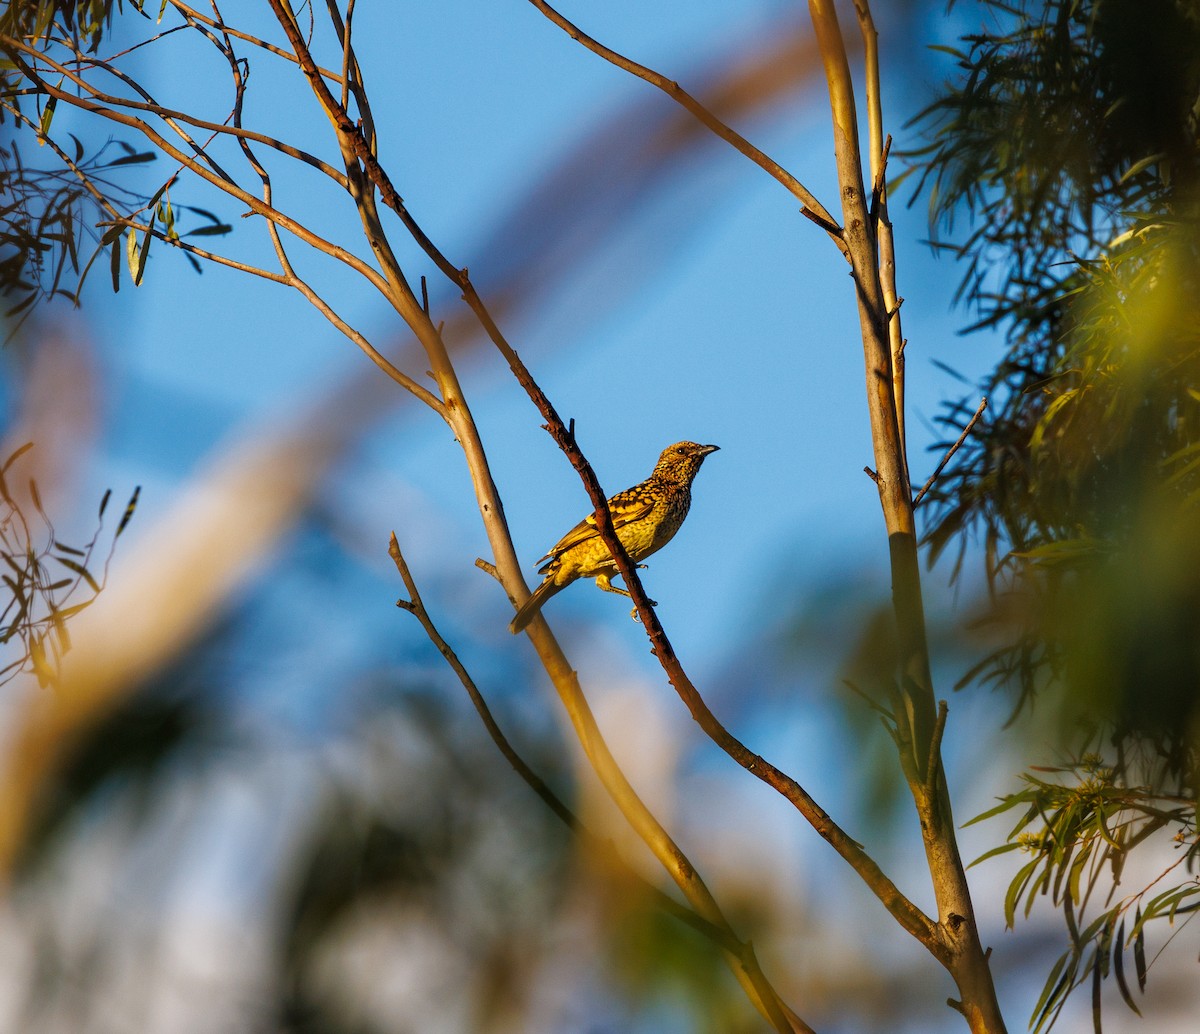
[(704, 450)]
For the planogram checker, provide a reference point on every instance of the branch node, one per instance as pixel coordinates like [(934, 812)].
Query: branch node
[(487, 568), (872, 475), (877, 188), (956, 1005), (933, 763)]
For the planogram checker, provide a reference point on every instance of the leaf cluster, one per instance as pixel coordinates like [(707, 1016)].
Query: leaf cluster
[(1069, 143), (46, 581), (1081, 181), (84, 20), (58, 217), (1078, 823), (50, 230)]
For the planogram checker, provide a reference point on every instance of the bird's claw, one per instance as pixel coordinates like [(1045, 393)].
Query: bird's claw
[(634, 614)]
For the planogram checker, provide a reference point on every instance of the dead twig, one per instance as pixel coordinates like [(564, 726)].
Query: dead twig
[(950, 452)]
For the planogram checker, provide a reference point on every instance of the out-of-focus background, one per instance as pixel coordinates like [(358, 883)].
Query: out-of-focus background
[(296, 822)]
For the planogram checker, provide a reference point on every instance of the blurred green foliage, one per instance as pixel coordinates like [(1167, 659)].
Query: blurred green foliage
[(1070, 144)]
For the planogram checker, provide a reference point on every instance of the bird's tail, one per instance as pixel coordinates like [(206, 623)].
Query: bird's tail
[(532, 605)]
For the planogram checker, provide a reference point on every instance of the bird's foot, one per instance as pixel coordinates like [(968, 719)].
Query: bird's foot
[(634, 614)]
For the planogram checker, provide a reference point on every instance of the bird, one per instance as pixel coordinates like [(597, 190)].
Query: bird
[(646, 517)]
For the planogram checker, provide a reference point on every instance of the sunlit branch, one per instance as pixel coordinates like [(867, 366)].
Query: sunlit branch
[(352, 71), (253, 203), (880, 222), (344, 30), (172, 116), (193, 15), (908, 914)]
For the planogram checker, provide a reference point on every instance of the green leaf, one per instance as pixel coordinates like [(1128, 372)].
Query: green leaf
[(46, 119), (1139, 951), (80, 570), (1119, 968), (127, 516), (1015, 889), (116, 264), (1002, 849), (219, 230), (1007, 802), (131, 255), (143, 256), (136, 158)]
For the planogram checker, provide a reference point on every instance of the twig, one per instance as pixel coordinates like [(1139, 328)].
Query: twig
[(950, 452), (415, 606), (879, 180), (193, 15), (933, 764)]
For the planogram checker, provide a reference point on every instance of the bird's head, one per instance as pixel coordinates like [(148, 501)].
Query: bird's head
[(679, 462)]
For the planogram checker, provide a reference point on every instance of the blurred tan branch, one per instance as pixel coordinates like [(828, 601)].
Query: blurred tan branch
[(175, 573)]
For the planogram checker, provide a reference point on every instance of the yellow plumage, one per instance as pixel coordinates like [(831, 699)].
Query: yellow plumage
[(645, 517)]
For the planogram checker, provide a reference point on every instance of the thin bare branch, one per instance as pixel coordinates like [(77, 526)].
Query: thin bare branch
[(951, 451), (175, 118), (219, 24), (812, 208), (249, 200), (357, 148)]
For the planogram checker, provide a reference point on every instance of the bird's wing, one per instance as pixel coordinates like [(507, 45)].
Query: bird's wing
[(626, 507)]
